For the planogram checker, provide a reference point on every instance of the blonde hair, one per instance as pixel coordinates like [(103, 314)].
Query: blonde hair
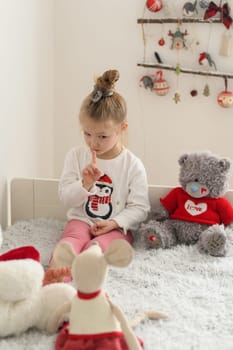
[(104, 102)]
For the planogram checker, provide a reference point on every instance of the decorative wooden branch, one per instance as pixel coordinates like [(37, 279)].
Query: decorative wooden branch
[(178, 20), (187, 71)]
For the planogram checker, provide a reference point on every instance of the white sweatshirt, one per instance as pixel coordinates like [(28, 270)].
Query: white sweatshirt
[(121, 194)]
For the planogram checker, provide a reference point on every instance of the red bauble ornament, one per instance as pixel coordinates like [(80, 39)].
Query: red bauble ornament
[(154, 5), (225, 99), (161, 42)]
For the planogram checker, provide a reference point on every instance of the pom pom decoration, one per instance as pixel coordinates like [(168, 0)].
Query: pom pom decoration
[(193, 93), (154, 5)]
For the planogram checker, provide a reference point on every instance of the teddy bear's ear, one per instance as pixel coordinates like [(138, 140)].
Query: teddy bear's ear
[(183, 159), (119, 253), (225, 164)]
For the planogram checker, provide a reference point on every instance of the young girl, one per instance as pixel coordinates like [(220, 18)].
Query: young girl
[(103, 184)]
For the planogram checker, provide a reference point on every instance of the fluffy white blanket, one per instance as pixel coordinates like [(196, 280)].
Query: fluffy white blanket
[(194, 290)]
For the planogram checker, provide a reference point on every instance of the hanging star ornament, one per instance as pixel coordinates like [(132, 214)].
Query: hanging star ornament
[(176, 97)]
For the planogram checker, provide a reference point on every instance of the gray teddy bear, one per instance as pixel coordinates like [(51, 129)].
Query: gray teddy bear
[(195, 212)]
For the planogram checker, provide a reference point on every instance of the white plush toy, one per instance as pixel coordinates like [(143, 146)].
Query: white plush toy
[(94, 321), (24, 302)]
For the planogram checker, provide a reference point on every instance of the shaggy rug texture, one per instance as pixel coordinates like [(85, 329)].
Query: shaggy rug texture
[(194, 290)]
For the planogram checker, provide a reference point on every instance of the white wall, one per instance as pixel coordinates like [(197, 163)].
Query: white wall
[(26, 90), (93, 38)]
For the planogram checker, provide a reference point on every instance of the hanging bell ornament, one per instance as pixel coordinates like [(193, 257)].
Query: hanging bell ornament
[(225, 98), (161, 86), (154, 5)]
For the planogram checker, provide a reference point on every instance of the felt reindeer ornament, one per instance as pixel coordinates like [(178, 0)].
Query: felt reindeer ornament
[(94, 321)]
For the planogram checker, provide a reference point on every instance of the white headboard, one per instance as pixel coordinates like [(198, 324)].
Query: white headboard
[(31, 198)]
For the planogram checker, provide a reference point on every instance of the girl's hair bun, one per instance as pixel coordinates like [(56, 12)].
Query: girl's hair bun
[(107, 80), (105, 85)]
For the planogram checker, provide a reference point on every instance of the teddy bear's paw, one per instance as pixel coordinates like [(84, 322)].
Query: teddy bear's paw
[(153, 240), (217, 245), (214, 241)]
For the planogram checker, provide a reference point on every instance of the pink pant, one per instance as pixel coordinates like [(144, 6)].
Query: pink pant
[(78, 234)]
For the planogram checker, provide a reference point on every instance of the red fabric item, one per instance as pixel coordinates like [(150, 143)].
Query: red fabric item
[(88, 296), (213, 9), (27, 252), (108, 341), (205, 210)]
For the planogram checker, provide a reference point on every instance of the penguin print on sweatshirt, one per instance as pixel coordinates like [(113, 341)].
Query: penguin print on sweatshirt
[(99, 205)]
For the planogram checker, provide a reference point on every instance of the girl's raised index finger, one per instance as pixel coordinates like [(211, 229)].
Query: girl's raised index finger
[(93, 157)]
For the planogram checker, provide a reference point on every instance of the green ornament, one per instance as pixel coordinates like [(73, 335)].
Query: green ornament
[(177, 69)]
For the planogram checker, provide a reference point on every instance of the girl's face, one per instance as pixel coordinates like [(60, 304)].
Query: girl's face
[(103, 137)]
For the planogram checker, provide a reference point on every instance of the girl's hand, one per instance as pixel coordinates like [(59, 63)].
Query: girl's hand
[(90, 173), (102, 227)]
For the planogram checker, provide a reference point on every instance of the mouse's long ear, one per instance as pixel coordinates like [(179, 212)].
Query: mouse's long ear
[(119, 253), (63, 254)]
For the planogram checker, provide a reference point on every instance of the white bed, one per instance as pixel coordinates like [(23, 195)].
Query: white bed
[(32, 198), (194, 289)]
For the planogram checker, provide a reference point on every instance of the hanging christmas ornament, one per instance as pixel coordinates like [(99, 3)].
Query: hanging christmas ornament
[(193, 92), (158, 58), (147, 82), (226, 44), (225, 98), (204, 3), (161, 41), (206, 60), (161, 86), (176, 97), (206, 90), (154, 5), (178, 40), (190, 9), (177, 69), (224, 12)]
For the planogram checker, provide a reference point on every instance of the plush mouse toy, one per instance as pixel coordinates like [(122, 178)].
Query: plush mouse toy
[(24, 303), (94, 321), (196, 212)]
